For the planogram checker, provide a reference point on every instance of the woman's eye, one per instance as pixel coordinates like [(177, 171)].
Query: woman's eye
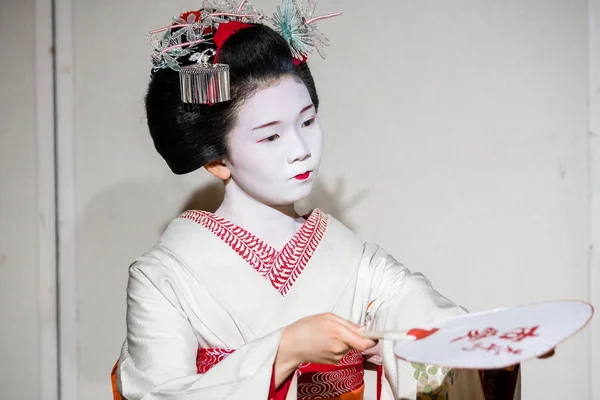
[(271, 138), (308, 123)]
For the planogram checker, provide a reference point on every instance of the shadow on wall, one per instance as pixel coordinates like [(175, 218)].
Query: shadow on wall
[(116, 226), (121, 223), (333, 199), (207, 198)]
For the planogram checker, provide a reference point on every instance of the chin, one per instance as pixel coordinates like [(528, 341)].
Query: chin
[(293, 196), (304, 191)]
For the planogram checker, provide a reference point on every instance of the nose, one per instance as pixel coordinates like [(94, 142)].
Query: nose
[(299, 151)]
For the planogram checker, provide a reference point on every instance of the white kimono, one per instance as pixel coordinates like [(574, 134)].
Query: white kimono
[(209, 284)]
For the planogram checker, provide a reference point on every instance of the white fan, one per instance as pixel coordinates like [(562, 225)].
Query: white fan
[(492, 339)]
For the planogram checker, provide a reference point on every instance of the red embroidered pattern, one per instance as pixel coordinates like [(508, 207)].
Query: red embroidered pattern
[(208, 358), (283, 268), (353, 357), (315, 381)]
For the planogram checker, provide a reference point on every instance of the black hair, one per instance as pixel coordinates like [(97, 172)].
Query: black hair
[(189, 138)]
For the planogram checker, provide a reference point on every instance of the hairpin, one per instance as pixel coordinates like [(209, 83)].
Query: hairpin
[(206, 83)]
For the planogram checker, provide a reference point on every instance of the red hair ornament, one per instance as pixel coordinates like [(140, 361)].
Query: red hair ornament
[(226, 30)]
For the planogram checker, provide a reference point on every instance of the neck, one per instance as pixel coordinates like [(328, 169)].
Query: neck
[(273, 224)]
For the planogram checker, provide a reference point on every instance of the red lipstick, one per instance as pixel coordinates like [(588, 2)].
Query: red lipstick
[(302, 177)]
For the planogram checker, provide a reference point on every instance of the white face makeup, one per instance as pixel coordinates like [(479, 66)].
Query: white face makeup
[(276, 147)]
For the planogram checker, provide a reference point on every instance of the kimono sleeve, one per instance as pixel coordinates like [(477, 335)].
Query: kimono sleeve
[(407, 300), (158, 358)]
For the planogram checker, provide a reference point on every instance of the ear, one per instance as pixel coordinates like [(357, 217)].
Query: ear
[(218, 169)]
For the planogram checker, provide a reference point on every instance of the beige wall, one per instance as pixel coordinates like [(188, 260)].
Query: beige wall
[(28, 318), (594, 151), (456, 137), (19, 325)]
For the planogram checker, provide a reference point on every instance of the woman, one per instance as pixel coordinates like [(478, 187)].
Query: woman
[(256, 301)]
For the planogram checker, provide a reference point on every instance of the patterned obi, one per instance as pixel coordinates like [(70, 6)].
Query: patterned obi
[(315, 381)]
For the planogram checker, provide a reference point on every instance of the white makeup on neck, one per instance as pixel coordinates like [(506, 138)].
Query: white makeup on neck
[(274, 155)]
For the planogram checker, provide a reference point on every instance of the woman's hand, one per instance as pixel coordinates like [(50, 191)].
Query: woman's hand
[(548, 354), (320, 339), (543, 356)]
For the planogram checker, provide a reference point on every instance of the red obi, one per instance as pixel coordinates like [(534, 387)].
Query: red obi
[(344, 380)]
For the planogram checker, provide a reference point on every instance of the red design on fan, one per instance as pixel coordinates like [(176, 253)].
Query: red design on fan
[(315, 381), (494, 348), (282, 268), (510, 350), (476, 334), (518, 334), (489, 348), (422, 333), (514, 335)]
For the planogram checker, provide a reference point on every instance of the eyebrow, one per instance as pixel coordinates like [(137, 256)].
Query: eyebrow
[(268, 124)]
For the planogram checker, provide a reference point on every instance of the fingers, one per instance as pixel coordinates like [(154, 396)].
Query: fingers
[(547, 355), (349, 333), (341, 320), (350, 337)]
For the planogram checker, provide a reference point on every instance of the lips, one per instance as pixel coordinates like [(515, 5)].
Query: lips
[(303, 177)]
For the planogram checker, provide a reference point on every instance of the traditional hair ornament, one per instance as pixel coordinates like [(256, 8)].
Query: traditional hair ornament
[(208, 83), (294, 20), (204, 83)]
